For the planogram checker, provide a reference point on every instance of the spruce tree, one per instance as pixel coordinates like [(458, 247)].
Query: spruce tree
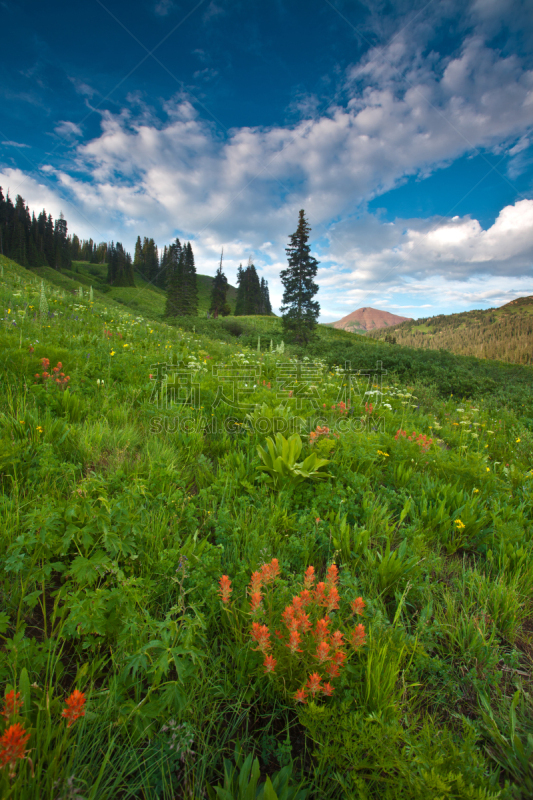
[(299, 310), (138, 258), (241, 292), (174, 306), (189, 281), (219, 303), (266, 307), (249, 293), (119, 266)]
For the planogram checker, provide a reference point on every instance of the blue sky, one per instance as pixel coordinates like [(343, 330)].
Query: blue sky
[(405, 130)]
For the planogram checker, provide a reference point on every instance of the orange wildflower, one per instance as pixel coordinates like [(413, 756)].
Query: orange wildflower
[(225, 589), (255, 602), (327, 689), (75, 707), (333, 598), (269, 572), (289, 619), (313, 683), (322, 652), (269, 663), (319, 593), (297, 603), (358, 606), (358, 637), (336, 639), (339, 657), (309, 577), (256, 582), (294, 641), (12, 704), (333, 670), (300, 696), (306, 597), (261, 634), (12, 747), (304, 622), (332, 575), (321, 630)]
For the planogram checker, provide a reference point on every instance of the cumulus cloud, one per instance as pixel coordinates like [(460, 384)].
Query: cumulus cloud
[(403, 115), (252, 182)]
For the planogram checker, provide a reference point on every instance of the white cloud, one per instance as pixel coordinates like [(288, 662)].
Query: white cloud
[(404, 116), (68, 130), (15, 144)]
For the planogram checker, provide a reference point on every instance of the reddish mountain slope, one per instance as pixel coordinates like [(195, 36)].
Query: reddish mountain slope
[(368, 319)]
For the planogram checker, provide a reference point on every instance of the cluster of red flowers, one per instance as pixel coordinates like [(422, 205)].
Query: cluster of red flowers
[(268, 574), (321, 430), (15, 737), (314, 640), (369, 408), (423, 441), (341, 407), (57, 376)]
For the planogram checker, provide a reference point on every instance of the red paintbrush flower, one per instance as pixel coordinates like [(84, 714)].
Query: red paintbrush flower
[(75, 707), (12, 747), (12, 704)]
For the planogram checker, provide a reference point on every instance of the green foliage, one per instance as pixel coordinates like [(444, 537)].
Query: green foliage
[(242, 782), (120, 511), (280, 465), (511, 741)]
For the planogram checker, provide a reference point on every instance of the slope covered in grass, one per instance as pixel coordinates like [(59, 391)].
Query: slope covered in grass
[(127, 492), (144, 298)]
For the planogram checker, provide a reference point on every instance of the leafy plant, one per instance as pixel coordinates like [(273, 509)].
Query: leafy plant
[(242, 782), (280, 465), (511, 741)]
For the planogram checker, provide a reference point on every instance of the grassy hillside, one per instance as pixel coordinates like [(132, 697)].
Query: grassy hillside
[(145, 298), (153, 559), (504, 333)]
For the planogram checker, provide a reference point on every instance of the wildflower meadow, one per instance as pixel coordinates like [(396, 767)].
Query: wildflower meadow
[(232, 567)]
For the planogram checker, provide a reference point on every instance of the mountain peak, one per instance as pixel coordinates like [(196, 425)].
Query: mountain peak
[(368, 319)]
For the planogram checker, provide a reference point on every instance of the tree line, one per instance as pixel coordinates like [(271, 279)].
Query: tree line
[(39, 241)]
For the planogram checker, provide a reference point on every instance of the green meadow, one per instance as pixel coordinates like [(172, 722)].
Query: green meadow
[(165, 490)]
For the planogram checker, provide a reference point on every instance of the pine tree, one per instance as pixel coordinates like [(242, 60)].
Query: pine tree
[(266, 307), (189, 280), (119, 266), (249, 293), (219, 303), (299, 310), (241, 292), (138, 257), (175, 267)]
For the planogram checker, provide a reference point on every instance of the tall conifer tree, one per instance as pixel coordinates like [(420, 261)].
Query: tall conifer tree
[(219, 303), (299, 310), (190, 283), (174, 306)]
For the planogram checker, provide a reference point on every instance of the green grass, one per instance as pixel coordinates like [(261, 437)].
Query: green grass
[(121, 510)]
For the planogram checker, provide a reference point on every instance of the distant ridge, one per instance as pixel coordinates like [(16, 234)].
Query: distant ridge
[(368, 319), (504, 333)]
